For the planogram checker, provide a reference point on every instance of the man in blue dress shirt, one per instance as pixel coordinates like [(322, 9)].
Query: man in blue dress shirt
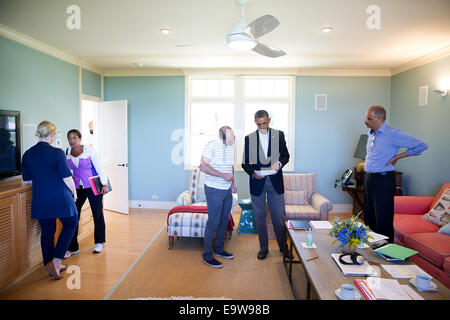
[(383, 144)]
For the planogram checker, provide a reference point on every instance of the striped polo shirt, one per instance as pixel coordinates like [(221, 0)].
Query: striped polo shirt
[(222, 160)]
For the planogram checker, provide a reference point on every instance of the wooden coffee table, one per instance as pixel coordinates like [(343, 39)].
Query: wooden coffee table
[(323, 274)]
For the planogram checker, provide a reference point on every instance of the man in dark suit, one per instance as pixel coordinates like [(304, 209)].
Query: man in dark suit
[(265, 149)]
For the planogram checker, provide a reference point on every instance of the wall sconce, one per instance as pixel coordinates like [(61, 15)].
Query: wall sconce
[(443, 87)]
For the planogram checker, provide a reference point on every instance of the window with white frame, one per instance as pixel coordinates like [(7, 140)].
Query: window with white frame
[(213, 102)]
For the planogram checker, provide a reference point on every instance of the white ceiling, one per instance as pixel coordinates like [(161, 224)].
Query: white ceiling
[(115, 34)]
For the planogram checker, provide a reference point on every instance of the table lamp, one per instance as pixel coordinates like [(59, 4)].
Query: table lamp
[(360, 152)]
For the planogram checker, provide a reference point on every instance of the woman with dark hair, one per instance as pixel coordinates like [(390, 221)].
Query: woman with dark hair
[(85, 163), (45, 167)]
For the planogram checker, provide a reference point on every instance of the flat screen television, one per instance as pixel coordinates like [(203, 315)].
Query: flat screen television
[(10, 161)]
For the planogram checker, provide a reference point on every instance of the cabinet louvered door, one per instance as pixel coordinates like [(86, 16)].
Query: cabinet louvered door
[(31, 234), (10, 243)]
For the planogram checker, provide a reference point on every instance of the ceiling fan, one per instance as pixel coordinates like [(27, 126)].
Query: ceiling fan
[(245, 36)]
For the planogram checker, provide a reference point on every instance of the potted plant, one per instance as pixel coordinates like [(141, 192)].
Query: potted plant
[(350, 233)]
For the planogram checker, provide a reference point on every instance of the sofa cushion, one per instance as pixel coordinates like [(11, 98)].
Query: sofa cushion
[(295, 197), (410, 223), (434, 247), (447, 266), (439, 214), (445, 229), (445, 186)]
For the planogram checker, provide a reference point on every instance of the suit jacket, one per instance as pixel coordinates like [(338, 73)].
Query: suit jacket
[(255, 159)]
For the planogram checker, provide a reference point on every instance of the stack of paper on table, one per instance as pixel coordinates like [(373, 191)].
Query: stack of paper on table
[(321, 224), (403, 271), (359, 270), (385, 289), (376, 237)]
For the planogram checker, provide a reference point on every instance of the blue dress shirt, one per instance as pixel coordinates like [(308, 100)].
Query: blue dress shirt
[(384, 145)]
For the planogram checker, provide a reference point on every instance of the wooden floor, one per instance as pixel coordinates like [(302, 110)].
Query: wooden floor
[(131, 264)]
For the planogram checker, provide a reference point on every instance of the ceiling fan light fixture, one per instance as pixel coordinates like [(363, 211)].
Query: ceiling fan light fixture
[(241, 41), (326, 29), (165, 30)]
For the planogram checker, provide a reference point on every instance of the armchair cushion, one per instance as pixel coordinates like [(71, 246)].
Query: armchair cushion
[(302, 212), (295, 197), (301, 188), (300, 181)]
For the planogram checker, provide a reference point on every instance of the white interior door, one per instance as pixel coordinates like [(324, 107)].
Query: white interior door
[(113, 146)]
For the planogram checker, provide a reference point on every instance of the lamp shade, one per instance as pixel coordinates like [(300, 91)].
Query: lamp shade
[(360, 151)]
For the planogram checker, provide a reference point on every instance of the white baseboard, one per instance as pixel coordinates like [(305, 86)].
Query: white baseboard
[(141, 204), (342, 208)]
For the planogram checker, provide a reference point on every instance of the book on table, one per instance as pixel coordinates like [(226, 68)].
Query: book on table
[(395, 251), (300, 225), (321, 225)]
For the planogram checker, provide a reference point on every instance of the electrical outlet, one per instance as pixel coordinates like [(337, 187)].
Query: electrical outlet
[(155, 196)]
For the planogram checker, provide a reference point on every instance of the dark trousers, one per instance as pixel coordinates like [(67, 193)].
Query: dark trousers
[(277, 214), (219, 205), (48, 230), (378, 208), (97, 215)]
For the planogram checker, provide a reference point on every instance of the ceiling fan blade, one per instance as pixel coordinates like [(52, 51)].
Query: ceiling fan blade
[(200, 44), (268, 51), (262, 26)]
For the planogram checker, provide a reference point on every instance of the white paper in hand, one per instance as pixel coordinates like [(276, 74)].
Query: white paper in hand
[(265, 172)]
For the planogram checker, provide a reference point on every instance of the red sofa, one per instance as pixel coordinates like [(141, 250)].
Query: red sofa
[(411, 231)]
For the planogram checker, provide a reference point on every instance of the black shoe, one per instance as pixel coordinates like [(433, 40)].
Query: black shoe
[(288, 255), (213, 263), (224, 254), (262, 255)]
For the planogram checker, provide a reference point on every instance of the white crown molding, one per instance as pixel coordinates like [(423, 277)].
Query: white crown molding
[(153, 72), (344, 72), (433, 56), (241, 71), (245, 72), (45, 48)]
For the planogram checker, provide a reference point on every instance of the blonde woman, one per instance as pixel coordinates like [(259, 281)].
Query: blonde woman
[(54, 196)]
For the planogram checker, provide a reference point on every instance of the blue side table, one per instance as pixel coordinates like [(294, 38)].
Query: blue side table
[(247, 223)]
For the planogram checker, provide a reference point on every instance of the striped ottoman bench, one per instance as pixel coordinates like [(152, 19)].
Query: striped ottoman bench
[(190, 221)]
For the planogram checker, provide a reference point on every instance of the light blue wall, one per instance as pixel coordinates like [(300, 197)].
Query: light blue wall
[(39, 86), (325, 140), (425, 174), (155, 110), (91, 83)]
